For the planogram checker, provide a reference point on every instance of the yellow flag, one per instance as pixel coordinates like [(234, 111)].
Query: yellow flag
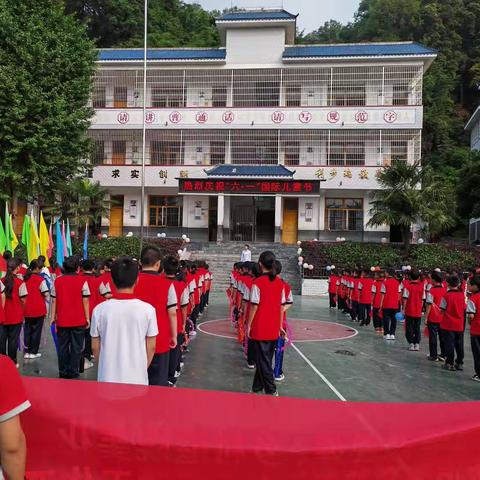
[(44, 239), (12, 237), (34, 244)]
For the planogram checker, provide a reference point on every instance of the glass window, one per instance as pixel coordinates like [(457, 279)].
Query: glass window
[(167, 96), (344, 214), (165, 211)]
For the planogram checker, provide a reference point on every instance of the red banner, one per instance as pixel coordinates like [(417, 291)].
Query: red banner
[(88, 431)]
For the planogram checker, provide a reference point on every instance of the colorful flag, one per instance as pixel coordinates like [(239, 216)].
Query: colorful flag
[(69, 240), (26, 232), (11, 239), (60, 250), (3, 238), (44, 240), (34, 244), (85, 242), (51, 245), (64, 240)]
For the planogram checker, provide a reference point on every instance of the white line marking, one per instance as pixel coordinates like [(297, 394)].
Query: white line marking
[(320, 374)]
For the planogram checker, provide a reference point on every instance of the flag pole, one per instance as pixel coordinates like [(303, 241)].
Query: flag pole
[(144, 128)]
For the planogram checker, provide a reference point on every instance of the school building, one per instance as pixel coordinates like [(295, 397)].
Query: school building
[(473, 129), (258, 140)]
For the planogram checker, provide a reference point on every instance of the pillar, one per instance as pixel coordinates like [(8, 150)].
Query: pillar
[(220, 217), (278, 219), (321, 215)]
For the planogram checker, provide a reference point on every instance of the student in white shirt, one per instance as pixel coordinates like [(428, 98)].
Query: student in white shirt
[(124, 330), (246, 255)]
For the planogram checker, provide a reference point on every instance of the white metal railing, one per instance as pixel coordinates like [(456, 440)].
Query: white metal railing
[(254, 147), (285, 87)]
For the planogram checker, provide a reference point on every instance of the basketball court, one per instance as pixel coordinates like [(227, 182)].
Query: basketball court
[(330, 358)]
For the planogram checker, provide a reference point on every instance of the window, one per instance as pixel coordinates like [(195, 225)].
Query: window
[(167, 97), (350, 154), (400, 94), (98, 153), (345, 95), (165, 211), (120, 95), (267, 94), (399, 151), (293, 95), (219, 96), (344, 214), (119, 152), (165, 153), (292, 153), (99, 97), (217, 153)]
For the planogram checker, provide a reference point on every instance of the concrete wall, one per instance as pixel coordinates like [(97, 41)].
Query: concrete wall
[(314, 287)]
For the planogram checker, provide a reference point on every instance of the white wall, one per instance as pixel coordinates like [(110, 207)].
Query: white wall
[(315, 287), (302, 223), (475, 137), (251, 46), (189, 210)]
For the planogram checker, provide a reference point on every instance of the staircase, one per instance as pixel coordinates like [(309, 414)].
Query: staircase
[(221, 258)]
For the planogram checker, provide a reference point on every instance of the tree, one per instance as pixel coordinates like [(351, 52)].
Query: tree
[(82, 201), (46, 67), (410, 194), (468, 189)]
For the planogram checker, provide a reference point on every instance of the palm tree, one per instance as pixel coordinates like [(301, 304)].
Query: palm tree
[(410, 194)]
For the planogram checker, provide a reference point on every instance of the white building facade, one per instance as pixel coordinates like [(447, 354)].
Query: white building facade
[(258, 140)]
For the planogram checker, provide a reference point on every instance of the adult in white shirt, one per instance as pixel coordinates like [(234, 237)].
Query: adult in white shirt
[(246, 255), (124, 330)]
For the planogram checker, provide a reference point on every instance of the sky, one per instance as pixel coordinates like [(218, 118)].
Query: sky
[(313, 13)]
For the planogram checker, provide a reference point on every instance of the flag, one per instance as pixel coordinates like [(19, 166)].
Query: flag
[(44, 240), (51, 245), (69, 240), (60, 251), (11, 238), (26, 233), (64, 241), (85, 242), (3, 238), (34, 240)]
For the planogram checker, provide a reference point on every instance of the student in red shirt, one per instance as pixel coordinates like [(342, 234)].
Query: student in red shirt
[(354, 296), (71, 315), (171, 267), (433, 315), (376, 301), (158, 291), (453, 323), (365, 299), (253, 272), (332, 289), (413, 293), (35, 309), (265, 322), (390, 303), (15, 297), (195, 282), (473, 316), (13, 402)]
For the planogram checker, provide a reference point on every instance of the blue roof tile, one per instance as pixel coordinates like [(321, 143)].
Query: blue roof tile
[(358, 50), (161, 54), (250, 171), (256, 15)]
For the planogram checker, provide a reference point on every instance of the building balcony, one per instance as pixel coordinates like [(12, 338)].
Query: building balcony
[(332, 118)]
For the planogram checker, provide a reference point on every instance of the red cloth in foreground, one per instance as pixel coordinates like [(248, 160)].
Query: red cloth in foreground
[(88, 431)]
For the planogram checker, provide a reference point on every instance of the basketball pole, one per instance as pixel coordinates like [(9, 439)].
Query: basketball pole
[(144, 127)]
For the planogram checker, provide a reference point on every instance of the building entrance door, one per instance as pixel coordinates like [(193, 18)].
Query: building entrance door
[(252, 219), (290, 220), (116, 216)]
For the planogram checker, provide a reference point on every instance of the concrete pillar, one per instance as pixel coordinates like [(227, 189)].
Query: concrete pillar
[(278, 219), (220, 217), (228, 148), (321, 215)]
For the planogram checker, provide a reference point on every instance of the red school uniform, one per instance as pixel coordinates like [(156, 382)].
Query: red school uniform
[(332, 284), (473, 308), (95, 287), (183, 299), (391, 289), (198, 289), (13, 399), (355, 291), (2, 311), (69, 290), (434, 298), (288, 300), (37, 289), (159, 292), (365, 287), (269, 296), (413, 294), (377, 293), (454, 307), (13, 305)]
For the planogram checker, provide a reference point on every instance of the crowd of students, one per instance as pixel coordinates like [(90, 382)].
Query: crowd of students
[(448, 302), (259, 299), (136, 318)]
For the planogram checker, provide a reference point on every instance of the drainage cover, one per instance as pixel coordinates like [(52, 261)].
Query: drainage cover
[(348, 353)]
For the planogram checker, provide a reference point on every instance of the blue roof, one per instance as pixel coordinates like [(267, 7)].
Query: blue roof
[(166, 54), (256, 15), (250, 171), (358, 50)]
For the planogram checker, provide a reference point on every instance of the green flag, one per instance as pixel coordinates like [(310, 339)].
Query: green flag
[(11, 240), (26, 232), (3, 238)]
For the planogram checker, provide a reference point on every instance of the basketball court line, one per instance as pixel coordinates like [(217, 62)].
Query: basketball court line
[(320, 374)]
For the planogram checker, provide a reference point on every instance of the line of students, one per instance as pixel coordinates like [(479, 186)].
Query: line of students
[(446, 302), (259, 299), (178, 291)]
